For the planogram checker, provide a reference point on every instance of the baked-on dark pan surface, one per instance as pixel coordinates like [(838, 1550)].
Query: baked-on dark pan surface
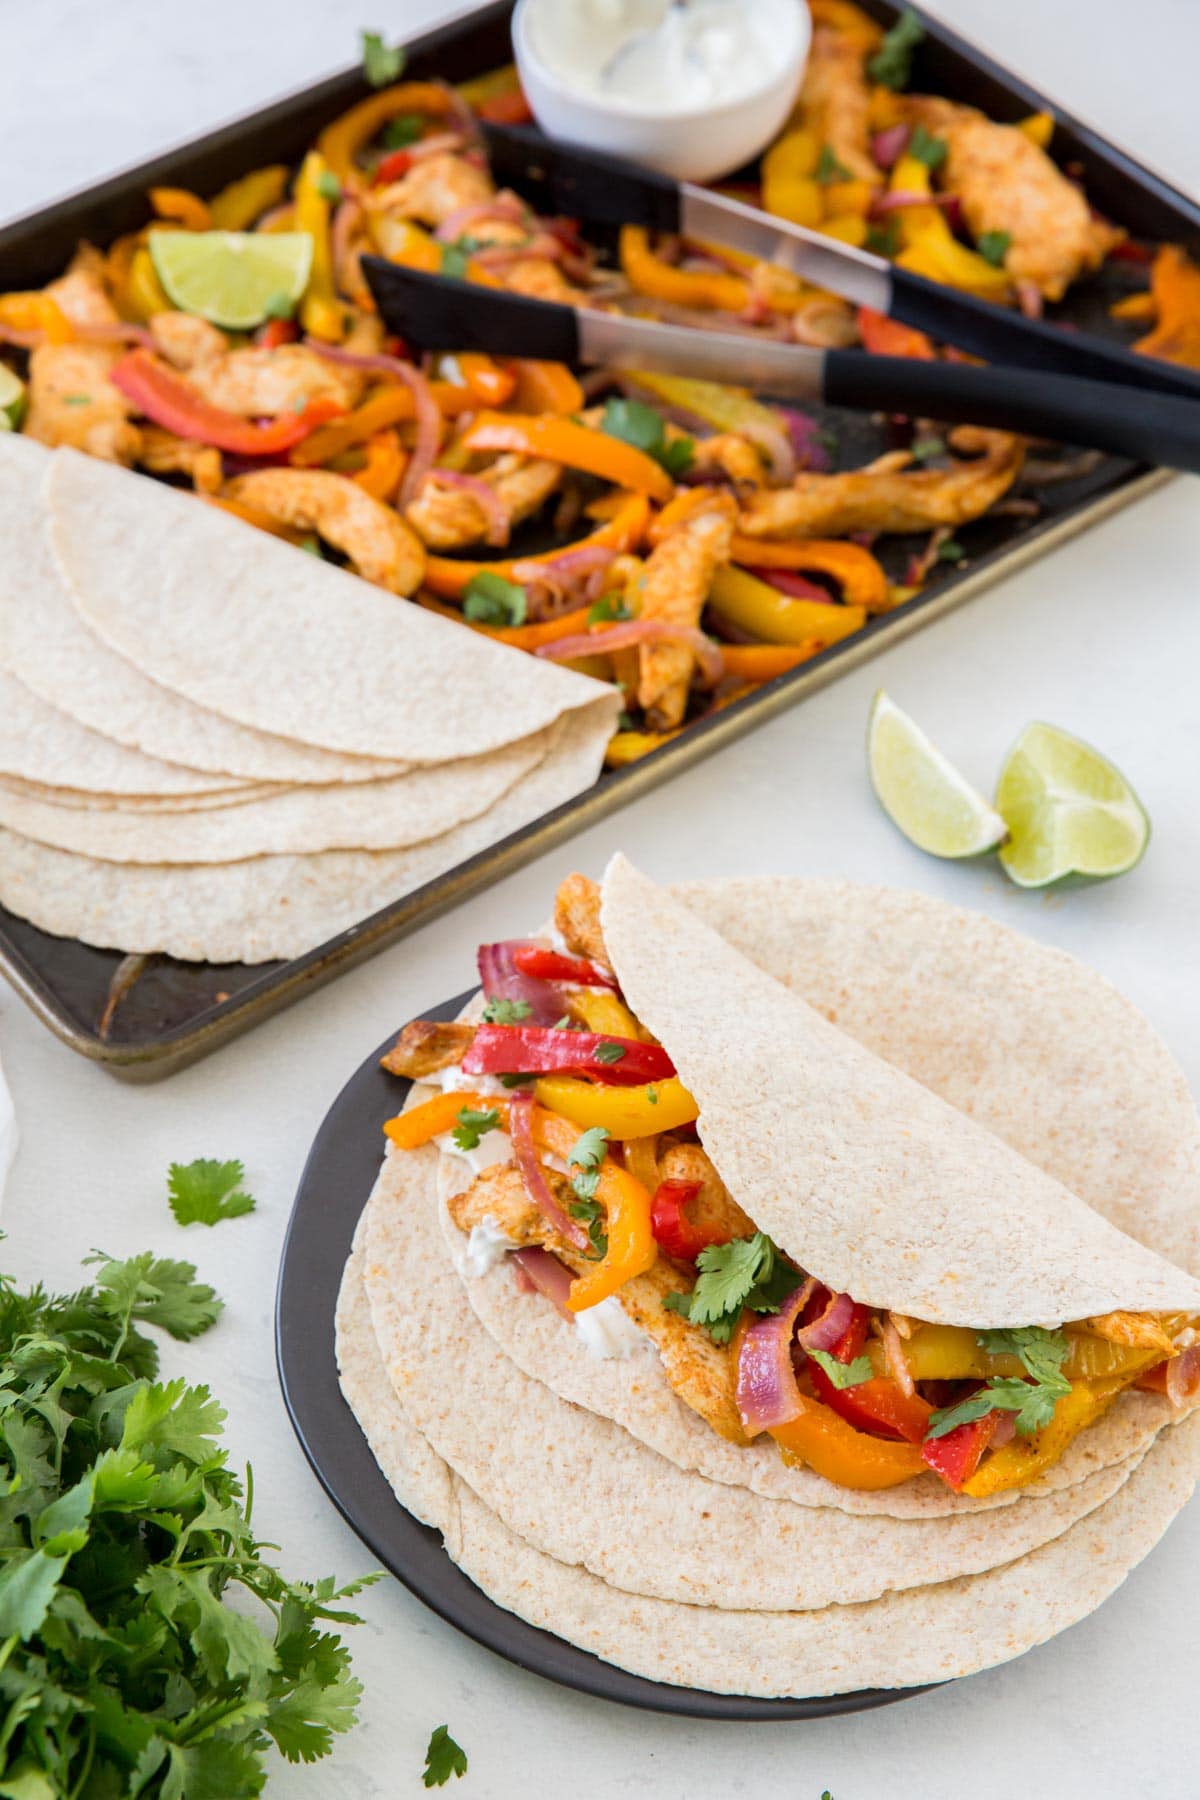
[(339, 1175), (163, 1014)]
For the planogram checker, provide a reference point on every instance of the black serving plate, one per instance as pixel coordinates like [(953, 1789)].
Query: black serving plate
[(142, 1018), (339, 1175)]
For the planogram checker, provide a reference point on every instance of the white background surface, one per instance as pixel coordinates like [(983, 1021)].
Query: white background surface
[(1103, 638)]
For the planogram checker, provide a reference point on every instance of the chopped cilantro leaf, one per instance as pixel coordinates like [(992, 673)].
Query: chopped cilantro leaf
[(563, 1024), (844, 1375), (587, 1154), (640, 425), (402, 131), (744, 1272), (329, 187), (77, 399), (624, 721), (202, 1192), (443, 1759), (1042, 1353), (950, 551), (608, 610), (472, 1126), (884, 239), (829, 169), (993, 246), (381, 63), (488, 599), (592, 1215), (926, 148), (506, 1012), (454, 261), (589, 1149), (652, 1096), (608, 1053), (891, 65), (514, 1081), (925, 449)]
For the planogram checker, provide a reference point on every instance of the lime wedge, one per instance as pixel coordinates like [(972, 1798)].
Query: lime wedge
[(232, 278), (12, 399), (921, 792), (1068, 810)]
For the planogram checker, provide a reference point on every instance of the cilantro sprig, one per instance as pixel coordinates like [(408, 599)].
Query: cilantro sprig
[(829, 169), (587, 1153), (994, 246), (473, 1126), (506, 1012), (488, 599), (203, 1192), (891, 65), (844, 1375), (124, 1537), (926, 148), (640, 425), (382, 63), (443, 1759), (1042, 1354), (746, 1272)]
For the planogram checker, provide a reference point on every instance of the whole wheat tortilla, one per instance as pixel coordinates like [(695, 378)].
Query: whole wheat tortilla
[(900, 1640), (376, 815), (142, 805), (273, 907), (45, 643), (522, 1449), (237, 622), (867, 1179)]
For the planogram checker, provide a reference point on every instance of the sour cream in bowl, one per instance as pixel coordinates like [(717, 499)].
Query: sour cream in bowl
[(694, 88)]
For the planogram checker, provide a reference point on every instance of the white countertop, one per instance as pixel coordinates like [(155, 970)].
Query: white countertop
[(1103, 638)]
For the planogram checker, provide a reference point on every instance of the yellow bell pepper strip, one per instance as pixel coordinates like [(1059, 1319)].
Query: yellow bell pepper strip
[(623, 1112), (622, 532), (182, 207), (1175, 289), (648, 274), (755, 606), (237, 206), (790, 189), (322, 314), (930, 248), (144, 294), (858, 574), (1138, 309), (341, 143), (600, 1010), (953, 1353), (545, 387), (575, 446), (626, 747), (820, 1439), (386, 461), (1021, 1461), (482, 88), (422, 1123), (1038, 128), (36, 312), (847, 228), (632, 1247), (848, 199), (405, 243)]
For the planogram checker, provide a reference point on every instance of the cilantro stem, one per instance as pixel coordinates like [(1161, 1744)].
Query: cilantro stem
[(7, 1648)]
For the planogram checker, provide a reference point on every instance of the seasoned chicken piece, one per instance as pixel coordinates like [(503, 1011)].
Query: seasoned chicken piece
[(165, 454), (678, 575), (434, 189), (702, 1373), (733, 455), (886, 499), (540, 279), (450, 518), (379, 545), (714, 1207), (186, 341), (260, 383), (1006, 183), (835, 101), (72, 402), (577, 918), (426, 1046), (81, 294)]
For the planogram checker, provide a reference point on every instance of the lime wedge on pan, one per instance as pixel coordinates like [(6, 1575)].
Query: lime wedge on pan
[(233, 278), (922, 793), (12, 399), (1068, 810)]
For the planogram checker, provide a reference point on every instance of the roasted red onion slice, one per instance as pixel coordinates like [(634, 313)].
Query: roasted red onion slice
[(502, 980), (1182, 1377), (491, 505), (639, 631), (897, 1362), (500, 206), (831, 1325), (767, 1394), (887, 147), (807, 438), (520, 1129), (429, 419), (547, 1276)]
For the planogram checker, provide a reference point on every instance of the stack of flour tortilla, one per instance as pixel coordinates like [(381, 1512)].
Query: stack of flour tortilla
[(581, 1494), (217, 748)]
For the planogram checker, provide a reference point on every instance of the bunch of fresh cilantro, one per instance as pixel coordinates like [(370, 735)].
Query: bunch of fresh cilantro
[(146, 1648)]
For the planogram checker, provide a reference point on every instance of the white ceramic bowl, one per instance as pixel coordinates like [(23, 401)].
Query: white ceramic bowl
[(700, 144)]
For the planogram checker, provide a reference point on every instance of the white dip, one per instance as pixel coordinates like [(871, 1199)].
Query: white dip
[(607, 1331), (486, 1246), (656, 57), (493, 1146)]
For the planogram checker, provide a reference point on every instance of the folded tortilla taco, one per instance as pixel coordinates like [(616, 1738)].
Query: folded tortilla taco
[(827, 1256)]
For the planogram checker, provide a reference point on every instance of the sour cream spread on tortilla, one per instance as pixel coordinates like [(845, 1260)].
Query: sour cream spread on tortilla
[(655, 56)]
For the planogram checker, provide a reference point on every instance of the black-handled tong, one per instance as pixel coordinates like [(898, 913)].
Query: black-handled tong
[(432, 312), (589, 185)]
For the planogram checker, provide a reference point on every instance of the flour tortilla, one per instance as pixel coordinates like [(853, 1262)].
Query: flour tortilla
[(46, 644), (920, 1635), (375, 815), (868, 1180), (699, 1542), (933, 989), (238, 622), (274, 907)]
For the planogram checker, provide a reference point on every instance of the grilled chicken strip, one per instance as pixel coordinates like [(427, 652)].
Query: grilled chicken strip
[(380, 546), (427, 1046), (675, 586)]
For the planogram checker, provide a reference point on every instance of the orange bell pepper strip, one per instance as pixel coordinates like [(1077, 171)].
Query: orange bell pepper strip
[(649, 274), (448, 576), (819, 1439), (888, 337), (524, 637), (385, 464), (632, 1246), (420, 1124), (575, 446), (763, 662), (182, 207), (858, 574), (486, 381), (341, 142), (1175, 289), (36, 312), (162, 395), (545, 387)]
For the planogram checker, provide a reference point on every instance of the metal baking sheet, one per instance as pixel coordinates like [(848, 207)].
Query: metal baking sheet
[(144, 1018)]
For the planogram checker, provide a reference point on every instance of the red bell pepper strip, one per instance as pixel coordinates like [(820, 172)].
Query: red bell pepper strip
[(392, 166), (956, 1456), (276, 332), (888, 337), (674, 1232), (510, 108), (171, 402), (544, 1050), (551, 965), (877, 1405)]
